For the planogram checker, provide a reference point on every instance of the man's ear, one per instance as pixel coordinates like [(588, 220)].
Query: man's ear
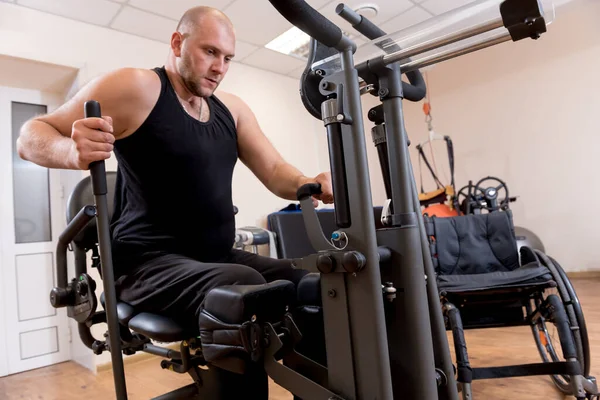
[(176, 43)]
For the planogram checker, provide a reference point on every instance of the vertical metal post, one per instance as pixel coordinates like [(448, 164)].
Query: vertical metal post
[(99, 187)]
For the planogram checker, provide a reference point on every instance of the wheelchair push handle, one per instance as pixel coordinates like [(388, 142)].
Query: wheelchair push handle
[(97, 168)]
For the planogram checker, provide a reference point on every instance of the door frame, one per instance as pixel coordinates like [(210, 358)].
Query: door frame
[(9, 249)]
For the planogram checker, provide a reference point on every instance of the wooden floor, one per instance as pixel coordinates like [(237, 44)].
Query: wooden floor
[(145, 379)]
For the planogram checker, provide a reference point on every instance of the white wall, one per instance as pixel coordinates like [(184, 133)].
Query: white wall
[(527, 113), (93, 50)]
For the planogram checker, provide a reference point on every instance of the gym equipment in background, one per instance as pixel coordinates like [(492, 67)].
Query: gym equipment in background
[(248, 238)]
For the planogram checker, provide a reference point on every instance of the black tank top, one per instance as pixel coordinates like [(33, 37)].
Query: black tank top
[(173, 192)]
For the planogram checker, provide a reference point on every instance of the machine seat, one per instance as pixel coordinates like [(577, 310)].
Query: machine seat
[(158, 327), (234, 304)]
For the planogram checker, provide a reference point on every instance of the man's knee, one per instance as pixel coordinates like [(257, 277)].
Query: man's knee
[(235, 274)]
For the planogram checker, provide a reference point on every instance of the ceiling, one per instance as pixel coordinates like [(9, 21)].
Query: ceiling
[(256, 21)]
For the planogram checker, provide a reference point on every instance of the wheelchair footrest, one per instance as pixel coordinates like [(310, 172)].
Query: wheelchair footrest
[(231, 323), (570, 368)]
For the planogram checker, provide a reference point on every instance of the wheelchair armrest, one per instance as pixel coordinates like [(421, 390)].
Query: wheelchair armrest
[(528, 256)]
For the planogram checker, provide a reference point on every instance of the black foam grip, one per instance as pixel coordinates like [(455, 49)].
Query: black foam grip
[(97, 168), (308, 190), (309, 20)]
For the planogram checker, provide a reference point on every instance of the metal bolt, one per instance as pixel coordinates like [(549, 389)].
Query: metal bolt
[(331, 293), (383, 92)]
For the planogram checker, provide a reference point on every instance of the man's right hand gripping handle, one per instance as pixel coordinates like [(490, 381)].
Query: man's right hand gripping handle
[(92, 140)]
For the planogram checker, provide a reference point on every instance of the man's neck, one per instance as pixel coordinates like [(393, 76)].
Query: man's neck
[(180, 88), (196, 104)]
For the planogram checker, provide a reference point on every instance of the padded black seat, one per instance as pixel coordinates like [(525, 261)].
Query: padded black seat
[(233, 304), (524, 277), (159, 328), (154, 326)]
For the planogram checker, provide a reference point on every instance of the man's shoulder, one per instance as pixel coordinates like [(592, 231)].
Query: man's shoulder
[(234, 104), (133, 78)]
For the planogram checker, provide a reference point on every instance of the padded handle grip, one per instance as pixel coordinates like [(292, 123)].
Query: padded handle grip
[(97, 168), (308, 190), (309, 20)]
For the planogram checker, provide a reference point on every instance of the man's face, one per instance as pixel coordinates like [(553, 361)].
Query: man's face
[(206, 52)]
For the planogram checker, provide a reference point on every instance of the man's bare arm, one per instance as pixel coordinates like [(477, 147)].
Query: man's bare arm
[(65, 139), (261, 157)]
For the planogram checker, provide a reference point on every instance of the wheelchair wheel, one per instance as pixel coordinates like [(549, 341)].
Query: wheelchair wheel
[(544, 332), (585, 343)]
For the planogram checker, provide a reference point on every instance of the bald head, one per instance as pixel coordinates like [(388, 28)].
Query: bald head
[(202, 49), (194, 17)]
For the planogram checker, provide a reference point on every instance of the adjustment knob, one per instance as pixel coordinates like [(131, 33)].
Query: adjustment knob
[(353, 261), (60, 297), (325, 264), (82, 288)]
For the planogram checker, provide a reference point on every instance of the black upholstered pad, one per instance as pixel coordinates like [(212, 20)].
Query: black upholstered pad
[(236, 304), (156, 327), (309, 290), (124, 311), (159, 328), (528, 275)]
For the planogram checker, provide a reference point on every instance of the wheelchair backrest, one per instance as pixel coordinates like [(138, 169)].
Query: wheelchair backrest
[(82, 196), (291, 238), (473, 243)]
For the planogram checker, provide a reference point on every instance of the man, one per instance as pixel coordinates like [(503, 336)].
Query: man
[(176, 143)]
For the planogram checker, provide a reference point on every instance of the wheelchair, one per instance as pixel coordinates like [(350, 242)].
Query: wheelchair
[(485, 283), (489, 277)]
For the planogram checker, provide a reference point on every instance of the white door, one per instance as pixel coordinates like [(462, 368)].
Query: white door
[(32, 218)]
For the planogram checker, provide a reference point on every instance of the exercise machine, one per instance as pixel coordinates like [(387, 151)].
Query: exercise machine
[(384, 333)]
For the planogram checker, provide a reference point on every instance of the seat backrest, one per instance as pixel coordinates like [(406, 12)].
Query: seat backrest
[(82, 196), (472, 244), (292, 239)]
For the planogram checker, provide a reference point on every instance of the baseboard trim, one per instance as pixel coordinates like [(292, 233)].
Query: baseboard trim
[(584, 275), (136, 358)]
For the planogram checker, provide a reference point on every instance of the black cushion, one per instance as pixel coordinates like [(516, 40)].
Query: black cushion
[(473, 244), (82, 196), (309, 290), (236, 304), (159, 328), (124, 311), (528, 275), (154, 326)]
